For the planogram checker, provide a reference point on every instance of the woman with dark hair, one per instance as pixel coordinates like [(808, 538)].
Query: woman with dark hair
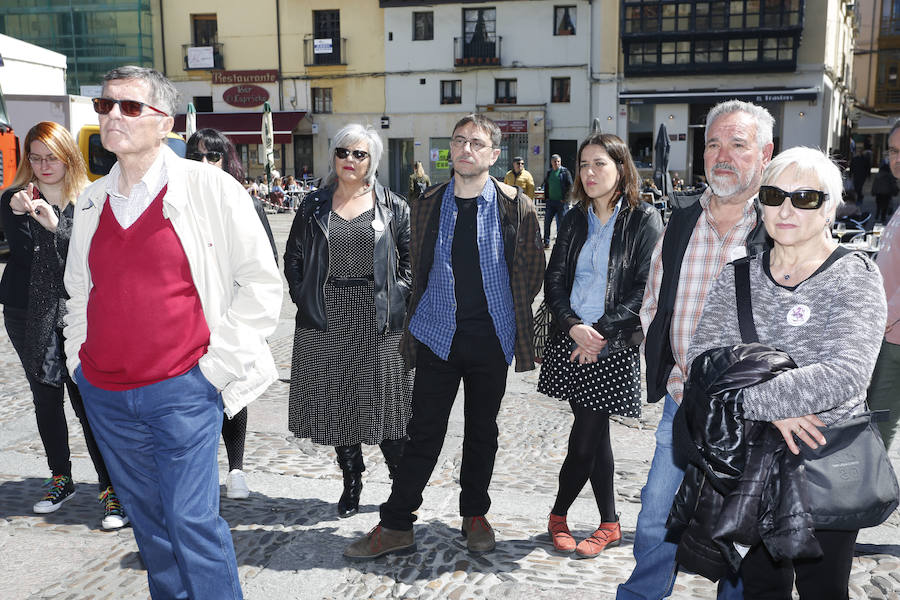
[(37, 212), (594, 286), (348, 272), (212, 147)]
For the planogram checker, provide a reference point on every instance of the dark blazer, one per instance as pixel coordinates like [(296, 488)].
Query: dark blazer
[(565, 181), (635, 233), (17, 274), (524, 252), (306, 259)]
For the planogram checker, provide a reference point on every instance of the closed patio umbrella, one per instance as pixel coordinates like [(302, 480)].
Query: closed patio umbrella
[(661, 161), (268, 140)]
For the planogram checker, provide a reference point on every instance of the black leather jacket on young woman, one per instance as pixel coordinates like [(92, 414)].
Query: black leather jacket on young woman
[(306, 259), (635, 233)]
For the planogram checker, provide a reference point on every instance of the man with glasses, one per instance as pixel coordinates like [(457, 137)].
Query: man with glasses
[(705, 232), (478, 263), (886, 378), (172, 292)]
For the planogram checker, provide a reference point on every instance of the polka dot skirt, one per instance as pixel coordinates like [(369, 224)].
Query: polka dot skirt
[(611, 385)]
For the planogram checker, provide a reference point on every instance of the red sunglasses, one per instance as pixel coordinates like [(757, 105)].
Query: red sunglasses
[(129, 108)]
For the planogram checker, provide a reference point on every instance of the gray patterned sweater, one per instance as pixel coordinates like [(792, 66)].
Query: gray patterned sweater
[(831, 325)]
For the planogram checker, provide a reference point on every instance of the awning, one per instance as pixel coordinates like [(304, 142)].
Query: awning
[(758, 96), (245, 127)]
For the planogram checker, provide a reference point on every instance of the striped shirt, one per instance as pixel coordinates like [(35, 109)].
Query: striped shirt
[(706, 254)]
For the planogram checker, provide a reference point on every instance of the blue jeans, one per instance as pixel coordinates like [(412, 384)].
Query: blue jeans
[(655, 569), (160, 443), (553, 208)]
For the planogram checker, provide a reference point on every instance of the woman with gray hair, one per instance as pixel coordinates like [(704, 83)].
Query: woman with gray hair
[(348, 272), (824, 306)]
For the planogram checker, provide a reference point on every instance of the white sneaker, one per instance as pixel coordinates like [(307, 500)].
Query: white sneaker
[(236, 485)]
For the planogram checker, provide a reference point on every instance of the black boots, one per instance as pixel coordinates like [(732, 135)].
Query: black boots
[(393, 452), (351, 462)]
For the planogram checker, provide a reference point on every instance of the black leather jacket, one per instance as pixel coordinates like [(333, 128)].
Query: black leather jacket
[(635, 233), (742, 484), (306, 259)]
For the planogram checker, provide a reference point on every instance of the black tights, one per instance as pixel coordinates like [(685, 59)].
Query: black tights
[(824, 578), (234, 433), (589, 457)]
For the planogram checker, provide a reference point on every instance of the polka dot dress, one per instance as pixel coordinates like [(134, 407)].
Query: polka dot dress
[(348, 383), (611, 385)]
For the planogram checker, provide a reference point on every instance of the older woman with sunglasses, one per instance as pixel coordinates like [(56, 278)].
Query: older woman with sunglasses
[(348, 272), (36, 213), (212, 147), (824, 306)]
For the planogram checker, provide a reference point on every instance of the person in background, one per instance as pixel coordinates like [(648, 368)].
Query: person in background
[(173, 292), (36, 213), (475, 247), (677, 182), (860, 169), (520, 177), (418, 182), (212, 147), (704, 233), (883, 391), (884, 188), (594, 286), (276, 193), (348, 272), (824, 306), (292, 191), (557, 183)]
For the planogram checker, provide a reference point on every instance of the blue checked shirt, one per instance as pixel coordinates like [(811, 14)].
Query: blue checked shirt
[(434, 322)]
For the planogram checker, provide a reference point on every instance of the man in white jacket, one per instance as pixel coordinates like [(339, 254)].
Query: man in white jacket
[(173, 290)]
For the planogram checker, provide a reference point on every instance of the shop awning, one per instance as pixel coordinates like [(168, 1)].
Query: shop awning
[(758, 96), (245, 127)]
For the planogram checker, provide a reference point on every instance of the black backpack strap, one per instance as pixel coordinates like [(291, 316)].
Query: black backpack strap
[(744, 304)]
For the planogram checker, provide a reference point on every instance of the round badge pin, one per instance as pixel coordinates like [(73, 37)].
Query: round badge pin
[(798, 315), (377, 225)]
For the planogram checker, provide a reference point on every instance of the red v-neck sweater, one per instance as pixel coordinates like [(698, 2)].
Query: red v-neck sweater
[(145, 322)]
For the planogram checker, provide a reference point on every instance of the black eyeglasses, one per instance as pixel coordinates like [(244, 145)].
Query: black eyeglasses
[(343, 153), (129, 108), (802, 199), (209, 156)]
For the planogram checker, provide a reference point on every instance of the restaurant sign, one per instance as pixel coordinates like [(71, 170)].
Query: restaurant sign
[(248, 77), (245, 96)]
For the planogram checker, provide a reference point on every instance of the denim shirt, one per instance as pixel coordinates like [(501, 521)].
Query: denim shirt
[(434, 322), (588, 296)]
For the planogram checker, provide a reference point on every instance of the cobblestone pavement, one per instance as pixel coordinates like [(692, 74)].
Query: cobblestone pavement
[(289, 540)]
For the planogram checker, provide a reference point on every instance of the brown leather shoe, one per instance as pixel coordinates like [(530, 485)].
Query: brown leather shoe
[(478, 533), (381, 541)]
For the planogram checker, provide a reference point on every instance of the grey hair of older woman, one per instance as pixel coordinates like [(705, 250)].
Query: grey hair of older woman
[(350, 135), (802, 161)]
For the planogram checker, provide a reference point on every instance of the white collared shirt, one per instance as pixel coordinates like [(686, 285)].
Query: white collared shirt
[(128, 209)]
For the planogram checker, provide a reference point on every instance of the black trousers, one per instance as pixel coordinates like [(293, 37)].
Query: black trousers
[(553, 208), (479, 362), (824, 578), (50, 412)]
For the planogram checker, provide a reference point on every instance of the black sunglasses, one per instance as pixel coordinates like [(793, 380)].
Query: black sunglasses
[(210, 156), (129, 108), (343, 153), (802, 199)]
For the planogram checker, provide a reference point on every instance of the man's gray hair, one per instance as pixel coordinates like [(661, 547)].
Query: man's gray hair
[(765, 123), (350, 135), (894, 127), (163, 93), (801, 160), (556, 157)]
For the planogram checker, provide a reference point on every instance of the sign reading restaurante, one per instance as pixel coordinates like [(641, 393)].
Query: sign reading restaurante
[(235, 77)]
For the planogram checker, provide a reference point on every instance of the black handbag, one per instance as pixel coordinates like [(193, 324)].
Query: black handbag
[(850, 482)]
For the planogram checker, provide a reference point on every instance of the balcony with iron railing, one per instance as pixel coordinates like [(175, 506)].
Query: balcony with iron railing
[(202, 57), (327, 51), (887, 97), (476, 52)]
